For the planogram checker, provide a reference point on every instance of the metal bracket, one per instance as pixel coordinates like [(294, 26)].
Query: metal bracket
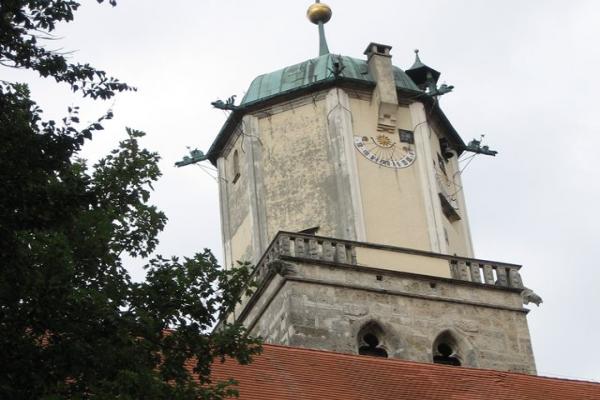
[(475, 146)]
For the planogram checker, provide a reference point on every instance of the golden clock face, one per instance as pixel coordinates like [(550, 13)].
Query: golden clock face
[(387, 150)]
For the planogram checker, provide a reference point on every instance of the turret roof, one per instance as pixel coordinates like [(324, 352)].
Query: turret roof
[(419, 71)]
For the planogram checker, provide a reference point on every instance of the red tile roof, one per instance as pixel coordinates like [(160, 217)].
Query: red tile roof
[(283, 373)]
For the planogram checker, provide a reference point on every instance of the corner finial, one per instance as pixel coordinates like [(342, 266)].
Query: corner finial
[(319, 13), (418, 62)]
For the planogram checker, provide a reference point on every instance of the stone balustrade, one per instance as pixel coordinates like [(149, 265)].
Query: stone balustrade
[(288, 245), (306, 246), (490, 273), (318, 248)]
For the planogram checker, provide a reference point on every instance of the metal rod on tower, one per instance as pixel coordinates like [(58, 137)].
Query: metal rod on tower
[(319, 13)]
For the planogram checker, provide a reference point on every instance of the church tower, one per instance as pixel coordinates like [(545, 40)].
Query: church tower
[(339, 180)]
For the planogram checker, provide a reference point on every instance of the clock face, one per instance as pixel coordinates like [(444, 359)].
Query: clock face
[(387, 150)]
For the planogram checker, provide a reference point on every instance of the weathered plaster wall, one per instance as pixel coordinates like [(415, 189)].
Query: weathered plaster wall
[(299, 178), (296, 173), (397, 261), (300, 170), (392, 198), (325, 307), (241, 241), (236, 224), (457, 232)]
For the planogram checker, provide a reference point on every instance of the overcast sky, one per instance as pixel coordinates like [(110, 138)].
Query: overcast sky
[(525, 74)]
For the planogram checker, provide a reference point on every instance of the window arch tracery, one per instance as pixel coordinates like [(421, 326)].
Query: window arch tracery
[(371, 339), (446, 350)]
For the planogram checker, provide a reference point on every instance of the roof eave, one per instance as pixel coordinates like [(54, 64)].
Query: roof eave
[(437, 115), (440, 118), (236, 115)]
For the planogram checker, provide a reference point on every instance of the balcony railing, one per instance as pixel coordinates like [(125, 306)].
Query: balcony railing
[(288, 245)]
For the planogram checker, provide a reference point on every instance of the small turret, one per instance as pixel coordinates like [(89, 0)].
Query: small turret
[(422, 75)]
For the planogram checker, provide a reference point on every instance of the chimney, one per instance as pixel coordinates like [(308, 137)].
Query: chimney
[(379, 62)]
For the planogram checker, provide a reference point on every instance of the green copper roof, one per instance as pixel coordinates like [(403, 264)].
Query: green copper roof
[(317, 74), (312, 72)]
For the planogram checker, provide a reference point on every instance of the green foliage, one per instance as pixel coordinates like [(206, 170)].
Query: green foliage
[(72, 323), (26, 24)]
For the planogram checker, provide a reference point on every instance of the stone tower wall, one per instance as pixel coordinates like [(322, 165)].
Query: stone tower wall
[(326, 306)]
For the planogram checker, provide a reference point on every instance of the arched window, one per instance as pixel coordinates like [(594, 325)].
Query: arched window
[(370, 341), (445, 350), (446, 355), (236, 166)]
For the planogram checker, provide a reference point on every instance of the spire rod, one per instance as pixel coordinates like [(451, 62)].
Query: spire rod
[(319, 13), (323, 48)]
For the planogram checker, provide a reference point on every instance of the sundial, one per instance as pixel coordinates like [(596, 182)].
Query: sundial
[(394, 150)]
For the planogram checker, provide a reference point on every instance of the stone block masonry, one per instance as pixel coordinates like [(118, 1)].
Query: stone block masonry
[(326, 300), (324, 307)]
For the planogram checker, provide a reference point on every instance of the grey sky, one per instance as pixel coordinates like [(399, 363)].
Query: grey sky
[(525, 74)]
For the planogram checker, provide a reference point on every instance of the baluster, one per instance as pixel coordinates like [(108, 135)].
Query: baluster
[(340, 253), (514, 277), (488, 274), (352, 255), (327, 251), (475, 272), (502, 278), (463, 271), (284, 245), (300, 247), (453, 269), (313, 248)]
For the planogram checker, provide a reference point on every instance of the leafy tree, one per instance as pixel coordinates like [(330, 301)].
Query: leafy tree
[(24, 24), (72, 322)]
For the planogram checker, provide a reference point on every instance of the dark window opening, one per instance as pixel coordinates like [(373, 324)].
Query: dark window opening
[(236, 166), (442, 163), (448, 209), (406, 136), (371, 347), (445, 355), (379, 277), (447, 151)]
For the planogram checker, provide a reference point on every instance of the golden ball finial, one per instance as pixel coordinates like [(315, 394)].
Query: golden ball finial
[(319, 12)]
